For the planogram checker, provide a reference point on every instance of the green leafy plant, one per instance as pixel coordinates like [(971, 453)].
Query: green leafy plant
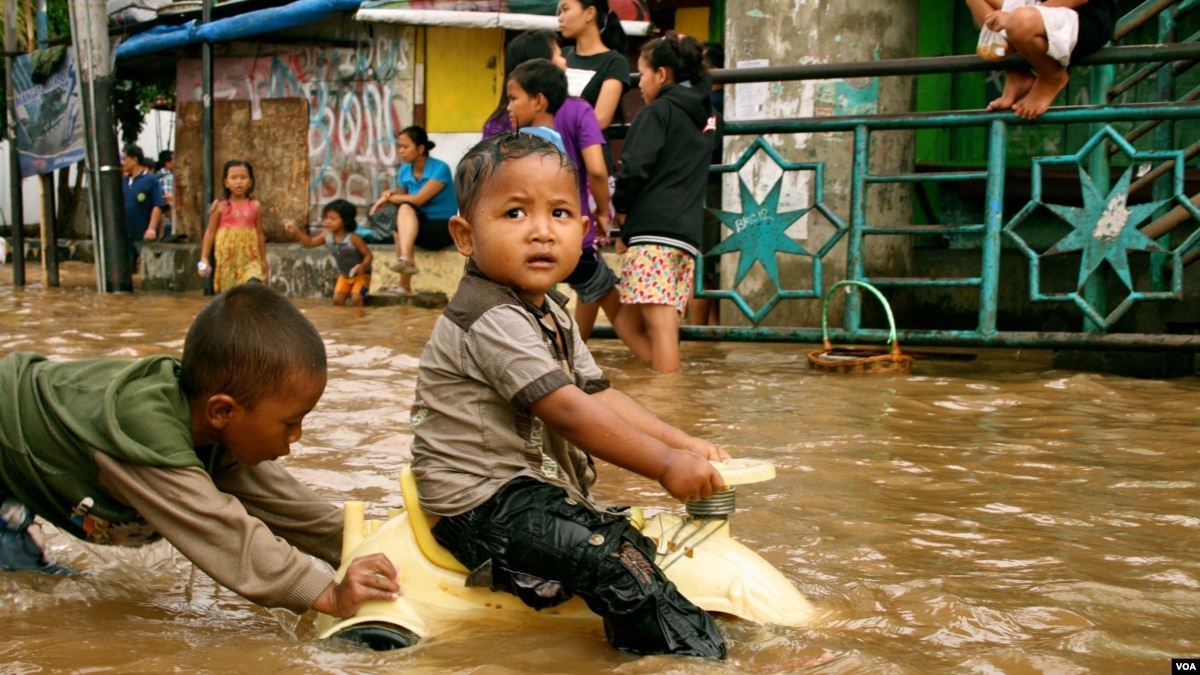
[(132, 101)]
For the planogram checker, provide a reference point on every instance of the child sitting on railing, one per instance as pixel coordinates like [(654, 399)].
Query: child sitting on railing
[(1050, 35)]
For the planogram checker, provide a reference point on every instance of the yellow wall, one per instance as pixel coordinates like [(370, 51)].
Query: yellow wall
[(463, 69), (692, 21)]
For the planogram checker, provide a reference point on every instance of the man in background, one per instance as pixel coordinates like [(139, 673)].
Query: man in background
[(143, 202), (166, 179)]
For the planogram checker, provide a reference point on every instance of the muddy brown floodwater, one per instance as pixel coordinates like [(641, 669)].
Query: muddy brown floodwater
[(992, 516)]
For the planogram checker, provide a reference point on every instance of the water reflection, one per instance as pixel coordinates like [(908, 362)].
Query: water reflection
[(986, 516)]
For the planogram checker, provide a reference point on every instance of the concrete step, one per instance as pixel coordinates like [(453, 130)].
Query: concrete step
[(68, 249), (301, 272)]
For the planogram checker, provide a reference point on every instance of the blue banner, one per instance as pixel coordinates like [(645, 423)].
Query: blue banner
[(49, 117)]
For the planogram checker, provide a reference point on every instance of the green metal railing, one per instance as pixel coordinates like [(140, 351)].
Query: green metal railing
[(1104, 229)]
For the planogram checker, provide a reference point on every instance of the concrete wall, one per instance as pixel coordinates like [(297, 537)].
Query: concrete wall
[(273, 146), (784, 32), (300, 272)]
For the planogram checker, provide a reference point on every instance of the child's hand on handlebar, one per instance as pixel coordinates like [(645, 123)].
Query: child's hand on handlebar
[(706, 449), (690, 477)]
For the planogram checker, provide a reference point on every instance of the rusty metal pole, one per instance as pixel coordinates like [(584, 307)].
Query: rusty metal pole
[(206, 134), (16, 203), (49, 225)]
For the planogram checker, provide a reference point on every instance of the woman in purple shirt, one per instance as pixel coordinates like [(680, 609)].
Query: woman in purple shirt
[(595, 285)]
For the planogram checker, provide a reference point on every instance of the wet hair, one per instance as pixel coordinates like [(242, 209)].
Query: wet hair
[(225, 174), (532, 44), (612, 33), (418, 136), (345, 211), (249, 343), (680, 54), (714, 55), (487, 156), (541, 76)]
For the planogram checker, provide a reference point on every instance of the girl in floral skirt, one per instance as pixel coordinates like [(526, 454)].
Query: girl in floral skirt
[(234, 235), (659, 197)]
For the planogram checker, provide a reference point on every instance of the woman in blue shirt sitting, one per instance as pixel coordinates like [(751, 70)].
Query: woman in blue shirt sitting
[(425, 202)]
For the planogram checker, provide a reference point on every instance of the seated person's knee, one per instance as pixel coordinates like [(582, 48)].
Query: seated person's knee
[(1023, 23)]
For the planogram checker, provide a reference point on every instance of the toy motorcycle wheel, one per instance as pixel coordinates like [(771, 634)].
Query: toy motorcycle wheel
[(378, 636)]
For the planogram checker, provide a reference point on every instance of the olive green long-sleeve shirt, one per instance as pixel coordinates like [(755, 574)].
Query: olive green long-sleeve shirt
[(248, 528), (103, 450)]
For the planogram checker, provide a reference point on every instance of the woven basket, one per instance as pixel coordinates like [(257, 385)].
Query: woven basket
[(857, 360)]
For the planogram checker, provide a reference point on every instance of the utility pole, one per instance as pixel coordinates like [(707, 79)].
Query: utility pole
[(93, 55), (16, 203), (206, 132)]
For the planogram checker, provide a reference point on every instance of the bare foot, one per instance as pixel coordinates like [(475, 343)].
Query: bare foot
[(1039, 98), (1017, 84)]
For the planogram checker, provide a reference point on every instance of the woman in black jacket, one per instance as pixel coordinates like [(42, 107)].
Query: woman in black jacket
[(660, 197)]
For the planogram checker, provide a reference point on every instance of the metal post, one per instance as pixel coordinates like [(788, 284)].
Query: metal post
[(49, 230), (1164, 139), (859, 169), (716, 22), (16, 203), (993, 220), (89, 31), (206, 136), (1094, 290)]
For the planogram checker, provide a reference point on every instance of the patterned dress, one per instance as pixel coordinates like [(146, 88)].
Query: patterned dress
[(238, 257)]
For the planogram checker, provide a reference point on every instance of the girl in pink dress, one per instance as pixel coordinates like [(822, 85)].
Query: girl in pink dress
[(234, 234)]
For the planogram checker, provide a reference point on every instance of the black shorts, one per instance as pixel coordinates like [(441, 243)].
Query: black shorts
[(592, 278), (532, 539), (1096, 25), (432, 235)]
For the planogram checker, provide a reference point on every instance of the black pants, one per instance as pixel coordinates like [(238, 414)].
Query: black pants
[(532, 540), (18, 550)]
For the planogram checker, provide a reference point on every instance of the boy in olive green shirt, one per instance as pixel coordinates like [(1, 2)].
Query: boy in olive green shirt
[(125, 452)]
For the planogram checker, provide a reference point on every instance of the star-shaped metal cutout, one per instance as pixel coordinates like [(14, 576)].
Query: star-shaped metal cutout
[(1105, 228), (759, 231)]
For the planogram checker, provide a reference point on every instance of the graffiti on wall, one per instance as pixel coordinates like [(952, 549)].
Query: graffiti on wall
[(359, 98)]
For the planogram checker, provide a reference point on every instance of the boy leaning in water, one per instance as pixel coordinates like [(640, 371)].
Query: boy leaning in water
[(125, 452), (510, 408)]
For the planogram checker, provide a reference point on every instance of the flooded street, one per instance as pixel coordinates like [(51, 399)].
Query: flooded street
[(981, 516)]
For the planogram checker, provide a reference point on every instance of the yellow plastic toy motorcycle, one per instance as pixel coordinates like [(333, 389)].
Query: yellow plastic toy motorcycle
[(697, 553)]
